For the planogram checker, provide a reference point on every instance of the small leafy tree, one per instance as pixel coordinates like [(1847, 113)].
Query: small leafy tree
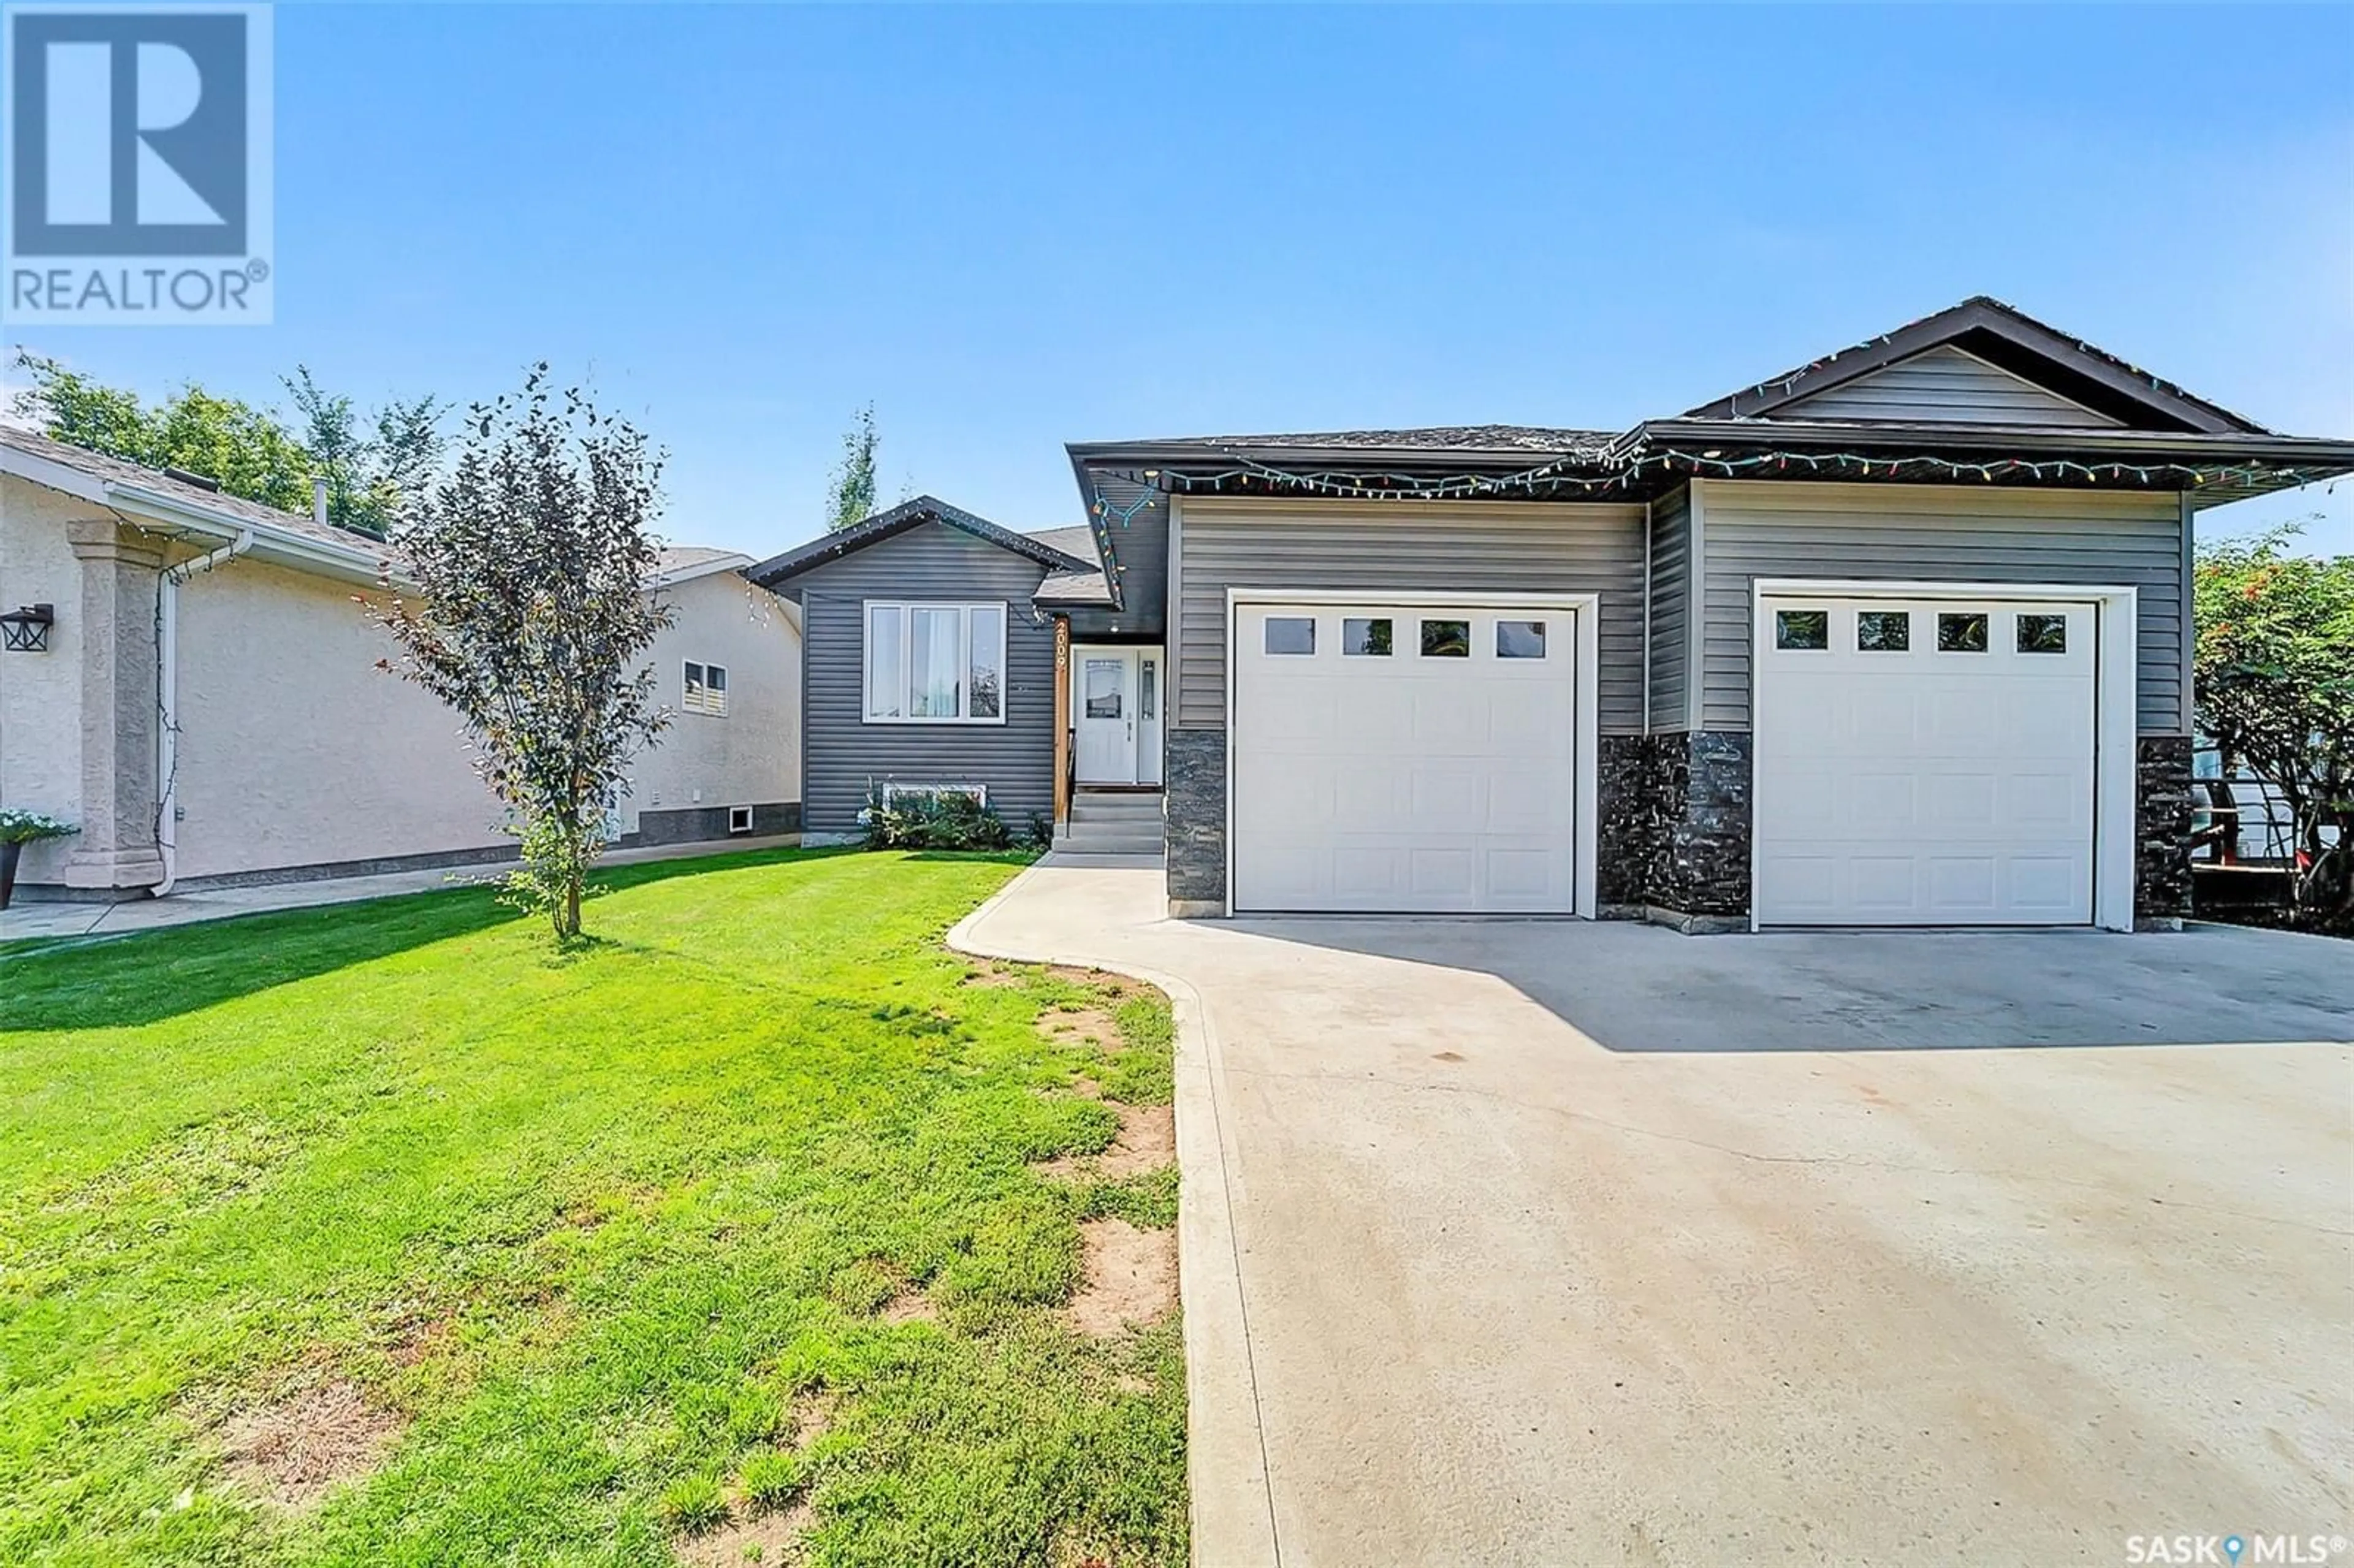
[(532, 620), (850, 496), (2275, 692)]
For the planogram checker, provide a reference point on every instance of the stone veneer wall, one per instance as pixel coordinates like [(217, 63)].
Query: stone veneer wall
[(1682, 852), (2163, 818), (1193, 792), (1632, 828)]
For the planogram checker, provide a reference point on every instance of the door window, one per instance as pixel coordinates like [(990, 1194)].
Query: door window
[(1104, 689), (1148, 693)]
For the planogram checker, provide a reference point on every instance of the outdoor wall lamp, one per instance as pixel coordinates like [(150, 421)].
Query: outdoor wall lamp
[(26, 628)]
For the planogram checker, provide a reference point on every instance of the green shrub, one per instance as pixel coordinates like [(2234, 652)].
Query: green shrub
[(773, 1480), (933, 820), (693, 1505)]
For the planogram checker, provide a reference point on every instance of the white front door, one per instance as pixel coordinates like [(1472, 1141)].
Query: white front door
[(1106, 721), (1924, 761), (1404, 758)]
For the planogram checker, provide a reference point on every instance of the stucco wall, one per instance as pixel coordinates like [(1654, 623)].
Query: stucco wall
[(294, 749), (40, 694), (750, 755)]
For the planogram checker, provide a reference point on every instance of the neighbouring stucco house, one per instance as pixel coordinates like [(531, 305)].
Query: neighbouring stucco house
[(1899, 637), (206, 702)]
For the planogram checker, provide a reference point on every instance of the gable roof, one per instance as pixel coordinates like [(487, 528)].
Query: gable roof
[(899, 520), (675, 563), (1091, 586), (1981, 390), (2009, 340)]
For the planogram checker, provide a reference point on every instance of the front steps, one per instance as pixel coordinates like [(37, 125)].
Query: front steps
[(1113, 822)]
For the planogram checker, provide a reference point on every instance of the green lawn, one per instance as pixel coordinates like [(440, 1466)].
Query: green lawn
[(591, 1244)]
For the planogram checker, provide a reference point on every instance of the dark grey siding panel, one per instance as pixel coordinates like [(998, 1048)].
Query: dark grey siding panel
[(1940, 533), (1407, 548), (843, 755), (1671, 608), (1139, 554), (1945, 386)]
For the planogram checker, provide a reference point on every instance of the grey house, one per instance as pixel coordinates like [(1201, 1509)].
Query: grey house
[(1900, 637)]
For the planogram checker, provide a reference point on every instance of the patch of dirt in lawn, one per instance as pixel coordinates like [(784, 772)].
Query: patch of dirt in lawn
[(293, 1450), (910, 1306), (813, 1413), (993, 976), (763, 1539), (1147, 1141), (422, 1339), (1119, 988), (1130, 1276), (1070, 1549), (1093, 1024)]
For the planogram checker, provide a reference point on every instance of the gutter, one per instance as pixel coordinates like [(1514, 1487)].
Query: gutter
[(168, 698), (362, 561)]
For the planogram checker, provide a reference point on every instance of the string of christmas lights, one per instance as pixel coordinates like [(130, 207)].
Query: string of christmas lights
[(1551, 477)]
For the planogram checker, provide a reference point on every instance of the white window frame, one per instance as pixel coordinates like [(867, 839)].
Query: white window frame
[(906, 607), (712, 702)]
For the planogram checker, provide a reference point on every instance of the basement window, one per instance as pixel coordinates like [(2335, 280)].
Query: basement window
[(739, 818)]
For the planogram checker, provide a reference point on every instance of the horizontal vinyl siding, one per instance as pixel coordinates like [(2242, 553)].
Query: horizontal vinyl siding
[(1407, 548), (1671, 608), (1941, 533), (843, 754), (1945, 386)]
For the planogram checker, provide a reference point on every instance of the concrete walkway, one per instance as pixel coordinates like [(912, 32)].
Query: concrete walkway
[(26, 918), (1545, 1241)]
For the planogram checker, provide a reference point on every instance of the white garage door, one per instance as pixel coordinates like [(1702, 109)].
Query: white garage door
[(1391, 758), (1925, 762)]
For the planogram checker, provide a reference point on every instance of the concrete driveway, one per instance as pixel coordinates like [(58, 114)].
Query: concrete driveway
[(1537, 1241)]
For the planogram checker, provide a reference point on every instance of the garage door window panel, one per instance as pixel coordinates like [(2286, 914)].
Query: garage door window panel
[(2043, 634), (1291, 636), (1364, 637), (1962, 634), (1802, 631), (1447, 639), (1883, 632), (1520, 640)]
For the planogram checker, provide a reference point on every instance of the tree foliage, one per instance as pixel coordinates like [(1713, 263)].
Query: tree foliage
[(532, 620), (850, 496), (371, 472), (372, 468), (2275, 692)]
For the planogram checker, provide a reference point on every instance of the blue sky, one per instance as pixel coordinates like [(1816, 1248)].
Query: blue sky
[(1011, 228)]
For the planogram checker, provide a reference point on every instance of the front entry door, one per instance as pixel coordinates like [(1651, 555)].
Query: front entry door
[(1107, 717)]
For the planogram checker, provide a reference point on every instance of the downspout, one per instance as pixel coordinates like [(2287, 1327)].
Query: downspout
[(167, 701)]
